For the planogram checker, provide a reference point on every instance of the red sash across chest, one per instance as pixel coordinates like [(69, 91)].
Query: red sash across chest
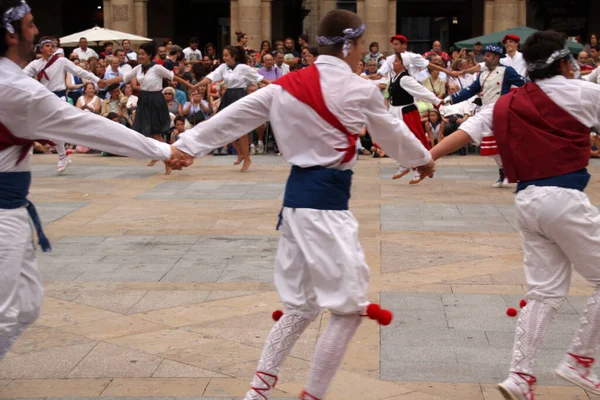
[(7, 139)]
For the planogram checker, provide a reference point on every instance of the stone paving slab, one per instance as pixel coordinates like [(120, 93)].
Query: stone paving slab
[(448, 217), (97, 171), (160, 259), (267, 159), (452, 173), (464, 338), (205, 190), (50, 212)]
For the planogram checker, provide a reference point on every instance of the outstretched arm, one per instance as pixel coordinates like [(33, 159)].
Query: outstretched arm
[(418, 91)]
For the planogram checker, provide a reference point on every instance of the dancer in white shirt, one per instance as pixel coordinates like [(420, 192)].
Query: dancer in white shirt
[(319, 263), (51, 70), (30, 112)]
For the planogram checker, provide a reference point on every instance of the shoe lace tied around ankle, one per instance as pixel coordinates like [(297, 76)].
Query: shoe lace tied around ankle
[(262, 375), (530, 379), (585, 362)]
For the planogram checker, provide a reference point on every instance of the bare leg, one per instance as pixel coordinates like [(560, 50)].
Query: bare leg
[(168, 169), (240, 156), (245, 148)]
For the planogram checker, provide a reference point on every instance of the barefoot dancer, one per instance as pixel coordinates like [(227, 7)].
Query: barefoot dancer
[(152, 115), (237, 76), (320, 262)]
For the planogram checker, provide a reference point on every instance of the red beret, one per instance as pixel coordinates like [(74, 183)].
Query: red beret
[(401, 38), (511, 37)]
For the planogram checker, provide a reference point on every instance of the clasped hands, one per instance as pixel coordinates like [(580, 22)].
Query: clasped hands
[(179, 159), (427, 170)]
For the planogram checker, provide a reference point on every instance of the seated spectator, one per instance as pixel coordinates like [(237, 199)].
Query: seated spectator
[(198, 109), (116, 103), (455, 114), (89, 101), (595, 144), (463, 80), (434, 82), (269, 70), (374, 53), (360, 68), (583, 60), (291, 55), (131, 101), (311, 55), (434, 127), (371, 70), (172, 103), (179, 128), (279, 62), (436, 60), (113, 69), (115, 118), (215, 100), (265, 48)]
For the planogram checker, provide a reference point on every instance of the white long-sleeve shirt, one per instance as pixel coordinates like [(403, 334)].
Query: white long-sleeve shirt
[(517, 62), (418, 91), (594, 76), (57, 73), (152, 80), (412, 62), (238, 78), (29, 110), (303, 137), (579, 98), (84, 55)]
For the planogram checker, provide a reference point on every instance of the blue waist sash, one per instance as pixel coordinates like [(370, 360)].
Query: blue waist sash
[(14, 187), (577, 180), (61, 93)]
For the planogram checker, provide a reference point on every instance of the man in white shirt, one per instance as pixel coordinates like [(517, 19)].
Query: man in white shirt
[(320, 263), (30, 112), (83, 52), (279, 58), (123, 66), (191, 53), (129, 53), (559, 226), (51, 71), (514, 58)]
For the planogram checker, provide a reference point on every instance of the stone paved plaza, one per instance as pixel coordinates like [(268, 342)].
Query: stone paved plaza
[(161, 286)]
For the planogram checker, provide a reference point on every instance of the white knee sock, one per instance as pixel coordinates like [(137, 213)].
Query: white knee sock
[(277, 347), (532, 326), (587, 338), (330, 352), (60, 149)]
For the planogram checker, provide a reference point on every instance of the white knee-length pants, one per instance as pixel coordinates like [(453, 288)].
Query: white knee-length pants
[(21, 289), (320, 263), (559, 228)]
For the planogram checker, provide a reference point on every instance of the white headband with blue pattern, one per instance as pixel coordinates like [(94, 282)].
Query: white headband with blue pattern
[(349, 34), (14, 14)]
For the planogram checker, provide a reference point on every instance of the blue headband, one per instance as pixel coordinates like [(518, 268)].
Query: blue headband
[(14, 14), (349, 34)]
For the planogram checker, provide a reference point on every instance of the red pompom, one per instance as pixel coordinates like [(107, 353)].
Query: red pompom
[(373, 311), (523, 303), (277, 314), (385, 317), (511, 312)]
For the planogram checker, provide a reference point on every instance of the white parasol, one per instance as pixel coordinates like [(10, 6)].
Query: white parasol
[(99, 35)]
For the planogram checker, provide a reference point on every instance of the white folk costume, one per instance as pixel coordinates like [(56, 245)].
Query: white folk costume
[(29, 112), (558, 224), (489, 86), (52, 73), (237, 79), (413, 62), (404, 91), (319, 263), (516, 61)]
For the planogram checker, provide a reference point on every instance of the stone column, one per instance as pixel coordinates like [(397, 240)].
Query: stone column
[(250, 15), (107, 10), (391, 24), (377, 22), (522, 12), (488, 24), (326, 6), (360, 9), (506, 14), (266, 21), (141, 17), (122, 16), (234, 21)]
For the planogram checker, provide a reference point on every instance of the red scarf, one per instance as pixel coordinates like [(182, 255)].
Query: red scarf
[(7, 139), (42, 73), (305, 86)]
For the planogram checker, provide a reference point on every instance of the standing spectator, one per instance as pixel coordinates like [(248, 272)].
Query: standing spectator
[(242, 40), (437, 50), (373, 53), (478, 55), (434, 61), (175, 56), (279, 46), (311, 55), (593, 42), (161, 56), (207, 64), (108, 50), (89, 101), (168, 43), (129, 53), (112, 71), (514, 58), (269, 71), (434, 82), (123, 66), (291, 57), (265, 48), (372, 69), (583, 62), (192, 54), (211, 52), (463, 80), (83, 52), (279, 61), (594, 52), (303, 40)]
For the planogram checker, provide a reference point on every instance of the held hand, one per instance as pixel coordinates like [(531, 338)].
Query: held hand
[(179, 159), (454, 74), (427, 170)]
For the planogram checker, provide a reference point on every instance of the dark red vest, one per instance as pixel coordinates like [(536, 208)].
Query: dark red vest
[(305, 86), (536, 138)]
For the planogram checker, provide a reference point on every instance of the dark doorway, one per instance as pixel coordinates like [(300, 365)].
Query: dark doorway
[(287, 19)]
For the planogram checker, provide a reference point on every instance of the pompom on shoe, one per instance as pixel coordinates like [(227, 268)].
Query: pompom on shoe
[(511, 312), (277, 314), (523, 303), (382, 316)]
